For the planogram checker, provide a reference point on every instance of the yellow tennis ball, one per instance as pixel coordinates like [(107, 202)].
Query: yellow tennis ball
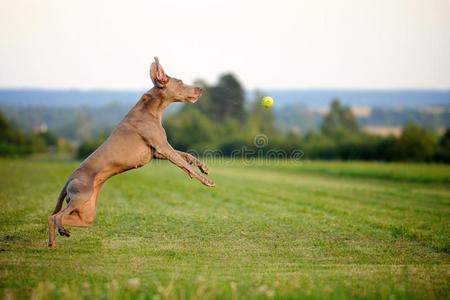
[(267, 102)]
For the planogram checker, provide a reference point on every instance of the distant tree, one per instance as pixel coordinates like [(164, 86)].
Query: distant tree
[(416, 143), (14, 142), (227, 99), (389, 149), (319, 146), (4, 124), (66, 147), (190, 129), (83, 122), (445, 139), (8, 133), (90, 145), (49, 137), (443, 148), (295, 117), (339, 118)]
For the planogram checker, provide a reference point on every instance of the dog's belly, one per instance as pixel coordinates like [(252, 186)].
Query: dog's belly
[(121, 152), (131, 160), (132, 156), (139, 157)]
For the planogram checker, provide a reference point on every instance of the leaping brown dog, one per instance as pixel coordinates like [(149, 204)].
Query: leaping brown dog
[(138, 138)]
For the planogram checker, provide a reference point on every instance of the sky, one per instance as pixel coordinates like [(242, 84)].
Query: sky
[(87, 44)]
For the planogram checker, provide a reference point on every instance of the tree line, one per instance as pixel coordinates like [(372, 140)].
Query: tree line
[(222, 120), (15, 142)]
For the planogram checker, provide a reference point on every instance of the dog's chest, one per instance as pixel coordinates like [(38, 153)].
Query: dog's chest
[(141, 157)]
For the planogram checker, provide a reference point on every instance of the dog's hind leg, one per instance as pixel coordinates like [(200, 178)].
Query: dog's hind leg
[(78, 219), (51, 232), (80, 192), (58, 207), (83, 215), (54, 222), (80, 212)]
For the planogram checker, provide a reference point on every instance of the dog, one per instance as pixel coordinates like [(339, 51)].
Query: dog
[(137, 139)]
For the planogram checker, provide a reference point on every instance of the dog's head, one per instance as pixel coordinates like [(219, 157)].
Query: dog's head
[(172, 89)]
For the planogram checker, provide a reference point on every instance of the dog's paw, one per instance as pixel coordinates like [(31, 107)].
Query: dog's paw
[(208, 182), (204, 168), (64, 232)]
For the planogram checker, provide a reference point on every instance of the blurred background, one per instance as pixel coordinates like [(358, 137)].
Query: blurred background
[(363, 80)]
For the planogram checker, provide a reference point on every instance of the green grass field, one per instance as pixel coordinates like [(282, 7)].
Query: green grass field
[(268, 230)]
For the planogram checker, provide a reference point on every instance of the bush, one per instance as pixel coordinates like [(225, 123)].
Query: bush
[(442, 153), (88, 146), (14, 142), (190, 129), (414, 144)]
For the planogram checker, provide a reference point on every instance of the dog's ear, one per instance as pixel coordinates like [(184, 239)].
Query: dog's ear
[(157, 74)]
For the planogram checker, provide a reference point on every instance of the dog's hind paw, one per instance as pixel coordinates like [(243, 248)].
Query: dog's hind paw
[(64, 232)]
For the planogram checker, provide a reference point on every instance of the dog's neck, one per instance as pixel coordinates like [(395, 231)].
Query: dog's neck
[(154, 103)]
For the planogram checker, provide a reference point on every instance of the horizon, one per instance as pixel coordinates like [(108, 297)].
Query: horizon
[(394, 98)]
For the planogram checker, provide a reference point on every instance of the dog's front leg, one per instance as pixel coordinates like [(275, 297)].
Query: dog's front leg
[(192, 160), (176, 158), (189, 158)]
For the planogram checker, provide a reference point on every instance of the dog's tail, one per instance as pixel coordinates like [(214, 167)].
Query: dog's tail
[(61, 197)]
